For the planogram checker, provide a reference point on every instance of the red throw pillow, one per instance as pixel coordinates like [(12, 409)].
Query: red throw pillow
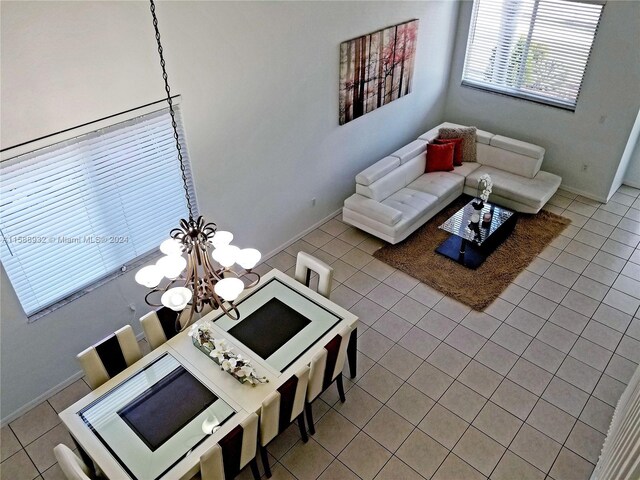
[(457, 151), (439, 157)]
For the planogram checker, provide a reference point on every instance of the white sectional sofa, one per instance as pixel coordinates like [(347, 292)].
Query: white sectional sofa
[(394, 197)]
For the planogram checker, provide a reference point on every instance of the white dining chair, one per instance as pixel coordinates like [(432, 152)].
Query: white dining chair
[(235, 451), (305, 264), (70, 464), (326, 368), (110, 356), (280, 409), (159, 326)]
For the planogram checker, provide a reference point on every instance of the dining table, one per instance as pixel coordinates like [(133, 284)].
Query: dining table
[(157, 417)]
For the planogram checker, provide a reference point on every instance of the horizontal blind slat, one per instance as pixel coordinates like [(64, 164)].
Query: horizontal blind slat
[(534, 49), (123, 180)]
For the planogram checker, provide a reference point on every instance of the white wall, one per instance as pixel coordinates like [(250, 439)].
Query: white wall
[(632, 174), (628, 167), (260, 104), (595, 134)]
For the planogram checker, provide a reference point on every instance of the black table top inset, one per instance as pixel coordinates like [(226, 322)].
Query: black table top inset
[(269, 327), (162, 410)]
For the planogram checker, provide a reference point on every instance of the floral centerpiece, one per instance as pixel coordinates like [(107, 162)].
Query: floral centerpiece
[(487, 187), (221, 353)]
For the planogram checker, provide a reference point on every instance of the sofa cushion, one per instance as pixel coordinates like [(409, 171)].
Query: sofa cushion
[(393, 181), (377, 170), (482, 136), (439, 157), (410, 151), (410, 202), (439, 184), (468, 135), (457, 148), (518, 146), (372, 209), (466, 168), (533, 192), (508, 161)]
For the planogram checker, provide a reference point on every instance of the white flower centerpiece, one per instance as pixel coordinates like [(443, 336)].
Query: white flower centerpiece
[(487, 187), (221, 353)]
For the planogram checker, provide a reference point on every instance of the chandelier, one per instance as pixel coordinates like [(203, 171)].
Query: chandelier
[(205, 277)]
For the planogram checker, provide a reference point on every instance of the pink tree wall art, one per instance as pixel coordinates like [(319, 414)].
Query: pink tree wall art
[(376, 69)]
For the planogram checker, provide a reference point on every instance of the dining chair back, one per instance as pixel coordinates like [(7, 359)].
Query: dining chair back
[(70, 464), (280, 409), (326, 367), (305, 264), (159, 326), (110, 356), (235, 451)]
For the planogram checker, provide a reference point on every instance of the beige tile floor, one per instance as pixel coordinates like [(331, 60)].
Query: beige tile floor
[(523, 390)]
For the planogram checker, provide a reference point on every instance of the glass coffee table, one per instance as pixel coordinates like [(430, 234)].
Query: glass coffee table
[(471, 243)]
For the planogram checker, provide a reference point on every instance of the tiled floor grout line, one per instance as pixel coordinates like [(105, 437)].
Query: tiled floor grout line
[(488, 339), (539, 397), (616, 274), (577, 418), (457, 379)]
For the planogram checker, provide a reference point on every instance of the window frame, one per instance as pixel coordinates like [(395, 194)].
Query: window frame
[(12, 155), (519, 93)]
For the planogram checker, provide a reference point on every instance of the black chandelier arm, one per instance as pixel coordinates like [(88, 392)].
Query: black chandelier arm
[(226, 309), (179, 324), (217, 273), (250, 273), (176, 136), (149, 302)]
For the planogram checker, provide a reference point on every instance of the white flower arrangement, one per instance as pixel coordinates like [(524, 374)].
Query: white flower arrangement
[(485, 179), (221, 353)]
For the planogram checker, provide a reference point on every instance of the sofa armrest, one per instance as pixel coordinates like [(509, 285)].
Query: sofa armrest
[(373, 209), (377, 170)]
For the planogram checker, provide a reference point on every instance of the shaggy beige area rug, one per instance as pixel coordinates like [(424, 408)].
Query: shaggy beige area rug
[(478, 288)]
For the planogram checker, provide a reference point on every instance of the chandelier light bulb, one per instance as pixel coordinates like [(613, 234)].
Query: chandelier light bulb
[(222, 238), (149, 276), (171, 266), (248, 258), (229, 288), (176, 298), (226, 255), (171, 246)]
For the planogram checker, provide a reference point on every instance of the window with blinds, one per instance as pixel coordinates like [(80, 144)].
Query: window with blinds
[(78, 211), (532, 49)]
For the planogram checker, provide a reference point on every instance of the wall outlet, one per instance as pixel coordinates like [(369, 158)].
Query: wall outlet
[(585, 167), (313, 202)]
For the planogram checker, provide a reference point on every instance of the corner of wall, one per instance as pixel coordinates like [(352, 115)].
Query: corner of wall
[(628, 166), (452, 53)]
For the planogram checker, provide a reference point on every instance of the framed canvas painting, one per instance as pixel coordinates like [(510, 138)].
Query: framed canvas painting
[(376, 69)]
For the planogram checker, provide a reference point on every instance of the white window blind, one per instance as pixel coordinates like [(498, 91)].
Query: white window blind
[(533, 49), (76, 212)]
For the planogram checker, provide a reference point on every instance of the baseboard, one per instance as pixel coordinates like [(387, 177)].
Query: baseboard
[(78, 375), (41, 398), (577, 191), (629, 183), (299, 236)]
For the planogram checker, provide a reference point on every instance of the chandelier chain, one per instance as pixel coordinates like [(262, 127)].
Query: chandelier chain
[(171, 111)]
